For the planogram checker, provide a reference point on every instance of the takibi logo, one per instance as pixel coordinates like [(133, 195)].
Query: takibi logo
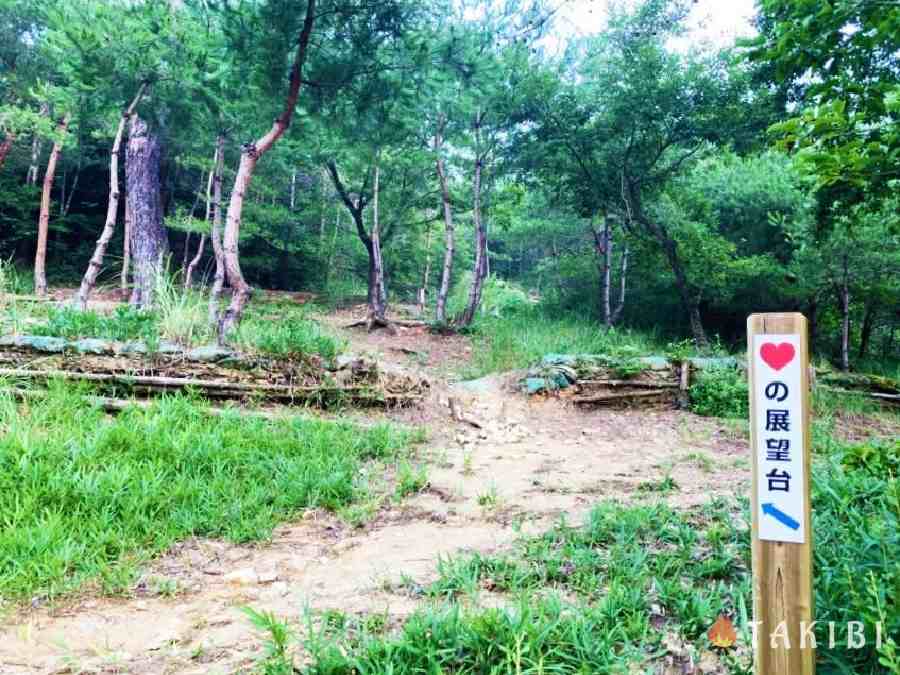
[(722, 634)]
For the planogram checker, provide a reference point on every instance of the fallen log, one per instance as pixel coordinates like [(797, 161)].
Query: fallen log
[(655, 384), (624, 396), (216, 388), (890, 399)]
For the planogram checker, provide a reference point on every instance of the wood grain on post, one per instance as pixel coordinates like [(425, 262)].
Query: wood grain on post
[(782, 572)]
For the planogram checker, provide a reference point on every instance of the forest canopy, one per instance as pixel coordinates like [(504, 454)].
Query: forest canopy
[(418, 152)]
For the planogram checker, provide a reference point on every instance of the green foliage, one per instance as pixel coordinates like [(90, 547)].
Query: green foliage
[(720, 392), (125, 323), (499, 297), (522, 339), (878, 458), (87, 497), (857, 526), (293, 336), (846, 128), (410, 479)]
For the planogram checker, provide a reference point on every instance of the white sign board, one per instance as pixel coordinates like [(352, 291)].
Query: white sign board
[(779, 450)]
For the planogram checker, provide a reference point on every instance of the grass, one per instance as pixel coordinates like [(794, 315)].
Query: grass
[(124, 324), (283, 328), (87, 498), (279, 328), (630, 577), (519, 340), (638, 583)]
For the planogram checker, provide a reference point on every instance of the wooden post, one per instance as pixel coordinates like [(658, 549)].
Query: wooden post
[(778, 362)]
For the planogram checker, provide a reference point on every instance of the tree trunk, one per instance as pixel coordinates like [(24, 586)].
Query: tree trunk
[(250, 154), (6, 146), (40, 257), (126, 245), (623, 276), (189, 270), (603, 247), (479, 271), (689, 300), (377, 292), (112, 210), (422, 298), (844, 298), (31, 176), (216, 233), (67, 203), (867, 326), (440, 313), (148, 237)]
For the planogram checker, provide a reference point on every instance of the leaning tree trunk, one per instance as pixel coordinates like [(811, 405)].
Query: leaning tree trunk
[(440, 313), (148, 237), (191, 266), (6, 146), (479, 272), (215, 233), (40, 256), (112, 208), (250, 154)]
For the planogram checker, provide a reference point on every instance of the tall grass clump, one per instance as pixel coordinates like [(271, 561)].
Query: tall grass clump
[(182, 313), (285, 329), (84, 497), (520, 340)]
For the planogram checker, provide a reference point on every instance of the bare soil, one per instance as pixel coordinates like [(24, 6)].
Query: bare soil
[(533, 462)]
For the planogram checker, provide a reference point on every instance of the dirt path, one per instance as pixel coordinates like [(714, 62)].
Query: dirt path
[(533, 462)]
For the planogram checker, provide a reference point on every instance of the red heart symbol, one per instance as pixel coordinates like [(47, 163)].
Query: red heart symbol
[(777, 356)]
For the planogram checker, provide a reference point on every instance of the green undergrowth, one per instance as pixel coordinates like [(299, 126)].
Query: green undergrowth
[(521, 339), (124, 323), (278, 328), (635, 584), (720, 392), (284, 328), (85, 497)]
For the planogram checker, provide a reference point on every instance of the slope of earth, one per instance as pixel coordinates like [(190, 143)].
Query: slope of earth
[(532, 462)]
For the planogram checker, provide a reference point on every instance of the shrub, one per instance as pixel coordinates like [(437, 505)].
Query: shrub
[(499, 297), (720, 392)]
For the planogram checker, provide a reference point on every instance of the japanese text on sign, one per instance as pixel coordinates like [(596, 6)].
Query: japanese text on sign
[(778, 417)]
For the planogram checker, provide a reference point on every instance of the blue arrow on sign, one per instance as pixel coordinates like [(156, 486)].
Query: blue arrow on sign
[(779, 515)]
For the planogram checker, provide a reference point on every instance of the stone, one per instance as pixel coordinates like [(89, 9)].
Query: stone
[(209, 354), (92, 346), (242, 577)]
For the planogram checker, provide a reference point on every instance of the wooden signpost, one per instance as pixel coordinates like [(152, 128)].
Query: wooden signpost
[(778, 362)]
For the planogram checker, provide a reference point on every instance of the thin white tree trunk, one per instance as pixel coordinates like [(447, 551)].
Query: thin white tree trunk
[(112, 209), (215, 233)]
